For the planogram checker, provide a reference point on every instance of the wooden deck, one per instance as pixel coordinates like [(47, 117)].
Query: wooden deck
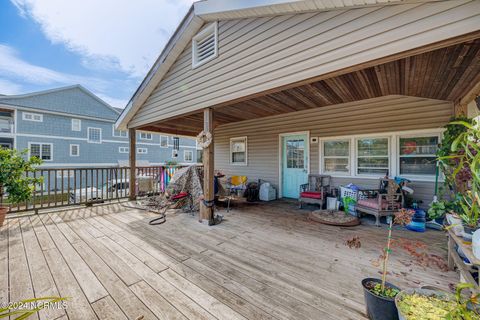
[(263, 262)]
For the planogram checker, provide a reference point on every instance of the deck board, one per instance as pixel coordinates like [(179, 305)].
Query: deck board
[(265, 261)]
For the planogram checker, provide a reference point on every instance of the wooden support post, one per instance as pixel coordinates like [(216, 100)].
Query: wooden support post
[(133, 163), (206, 211)]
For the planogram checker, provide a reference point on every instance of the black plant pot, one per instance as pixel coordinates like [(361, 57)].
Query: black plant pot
[(379, 308)]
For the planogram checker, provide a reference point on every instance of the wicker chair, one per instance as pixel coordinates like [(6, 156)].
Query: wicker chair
[(383, 202), (315, 191)]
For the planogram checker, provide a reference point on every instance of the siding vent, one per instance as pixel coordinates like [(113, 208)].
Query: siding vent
[(205, 45)]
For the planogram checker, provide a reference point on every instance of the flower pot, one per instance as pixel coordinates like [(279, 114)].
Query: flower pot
[(379, 308), (420, 291), (3, 213)]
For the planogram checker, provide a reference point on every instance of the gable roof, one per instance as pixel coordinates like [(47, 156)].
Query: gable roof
[(212, 10), (75, 100)]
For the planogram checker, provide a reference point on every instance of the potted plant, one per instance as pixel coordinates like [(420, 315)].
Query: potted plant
[(420, 304), (14, 183), (378, 293)]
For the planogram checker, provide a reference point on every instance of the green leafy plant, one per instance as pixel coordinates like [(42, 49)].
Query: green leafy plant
[(470, 209), (437, 210), (13, 180), (466, 308), (387, 292), (171, 163)]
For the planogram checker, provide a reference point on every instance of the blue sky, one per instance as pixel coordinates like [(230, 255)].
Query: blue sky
[(106, 46)]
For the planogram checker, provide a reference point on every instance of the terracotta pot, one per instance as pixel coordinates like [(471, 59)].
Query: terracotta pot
[(3, 213)]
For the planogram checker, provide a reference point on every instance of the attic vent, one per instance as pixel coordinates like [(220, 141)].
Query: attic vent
[(204, 45)]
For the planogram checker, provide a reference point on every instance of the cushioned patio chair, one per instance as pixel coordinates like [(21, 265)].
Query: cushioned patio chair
[(381, 202), (315, 191)]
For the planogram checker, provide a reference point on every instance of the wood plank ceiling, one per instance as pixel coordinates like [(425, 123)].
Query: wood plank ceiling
[(444, 74)]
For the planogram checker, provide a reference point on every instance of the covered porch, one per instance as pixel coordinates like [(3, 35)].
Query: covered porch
[(262, 262), (412, 94)]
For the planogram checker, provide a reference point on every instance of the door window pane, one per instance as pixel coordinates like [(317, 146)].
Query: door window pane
[(372, 156), (295, 153), (417, 155)]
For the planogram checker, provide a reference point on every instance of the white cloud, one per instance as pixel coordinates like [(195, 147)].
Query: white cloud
[(114, 102), (120, 34), (9, 87)]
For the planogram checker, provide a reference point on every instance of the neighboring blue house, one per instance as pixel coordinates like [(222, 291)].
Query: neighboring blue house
[(71, 127)]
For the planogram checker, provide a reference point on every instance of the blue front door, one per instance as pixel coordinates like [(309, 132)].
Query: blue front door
[(294, 164)]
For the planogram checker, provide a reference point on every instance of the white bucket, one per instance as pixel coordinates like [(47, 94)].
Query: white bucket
[(332, 203)]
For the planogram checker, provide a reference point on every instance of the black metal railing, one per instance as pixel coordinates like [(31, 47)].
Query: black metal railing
[(83, 186)]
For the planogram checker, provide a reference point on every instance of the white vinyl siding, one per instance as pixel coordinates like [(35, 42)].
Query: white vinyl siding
[(43, 151), (74, 150), (123, 149), (142, 150), (259, 54), (35, 117), (205, 45), (188, 156), (76, 125), (94, 135)]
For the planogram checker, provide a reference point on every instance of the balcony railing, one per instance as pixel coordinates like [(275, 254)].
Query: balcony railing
[(63, 187)]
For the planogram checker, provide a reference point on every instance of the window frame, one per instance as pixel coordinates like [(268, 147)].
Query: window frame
[(388, 156), (119, 136), (174, 151), (185, 153), (143, 149), (162, 137), (398, 155), (41, 150), (323, 157), (78, 150), (245, 163), (146, 133), (211, 28), (79, 124), (126, 149), (88, 135), (32, 114)]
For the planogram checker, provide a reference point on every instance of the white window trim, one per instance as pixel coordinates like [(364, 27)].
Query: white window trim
[(394, 153), (140, 136), (41, 143), (88, 135), (78, 150), (415, 176), (349, 157), (173, 151), (123, 150), (141, 150), (185, 155), (213, 27), (246, 152), (161, 141), (24, 116), (79, 124), (118, 136)]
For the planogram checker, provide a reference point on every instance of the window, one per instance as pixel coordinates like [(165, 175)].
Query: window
[(199, 155), (176, 143), (27, 116), (204, 45), (174, 153), (238, 151), (41, 150), (142, 150), (145, 136), (76, 125), (74, 150), (94, 135), (417, 155), (123, 149), (336, 156), (372, 156), (188, 155), (295, 157), (119, 133), (163, 141)]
